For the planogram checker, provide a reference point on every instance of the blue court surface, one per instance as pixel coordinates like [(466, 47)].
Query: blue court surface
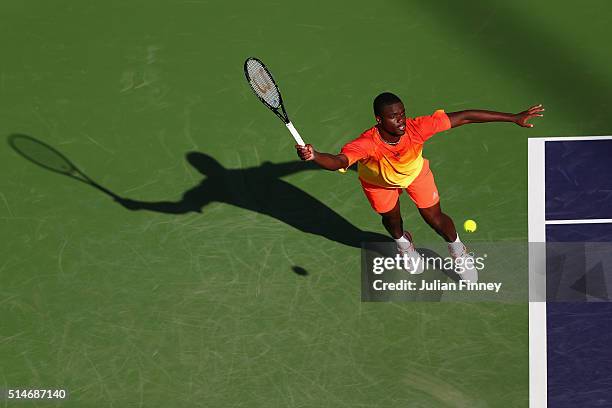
[(570, 210)]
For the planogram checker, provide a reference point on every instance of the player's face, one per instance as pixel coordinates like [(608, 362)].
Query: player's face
[(393, 119)]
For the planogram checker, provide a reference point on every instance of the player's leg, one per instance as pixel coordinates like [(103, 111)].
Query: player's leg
[(392, 221), (440, 222), (444, 226), (386, 203), (424, 192)]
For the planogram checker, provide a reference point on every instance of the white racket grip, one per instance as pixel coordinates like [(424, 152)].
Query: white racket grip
[(296, 135)]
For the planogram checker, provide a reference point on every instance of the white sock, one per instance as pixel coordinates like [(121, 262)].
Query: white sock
[(402, 239), (403, 242), (456, 247)]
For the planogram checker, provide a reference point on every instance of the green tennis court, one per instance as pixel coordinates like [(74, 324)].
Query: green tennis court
[(231, 276)]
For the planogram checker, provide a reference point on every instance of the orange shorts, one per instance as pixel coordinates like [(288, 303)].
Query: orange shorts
[(422, 191)]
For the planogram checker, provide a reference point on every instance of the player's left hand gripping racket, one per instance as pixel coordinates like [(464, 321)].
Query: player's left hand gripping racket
[(265, 88)]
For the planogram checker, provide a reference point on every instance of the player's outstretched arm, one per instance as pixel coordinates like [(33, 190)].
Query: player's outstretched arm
[(324, 160), (482, 116)]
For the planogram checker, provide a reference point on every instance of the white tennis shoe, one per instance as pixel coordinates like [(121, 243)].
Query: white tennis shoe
[(412, 261), (464, 262)]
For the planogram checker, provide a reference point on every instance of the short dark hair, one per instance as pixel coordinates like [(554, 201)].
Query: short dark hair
[(384, 99)]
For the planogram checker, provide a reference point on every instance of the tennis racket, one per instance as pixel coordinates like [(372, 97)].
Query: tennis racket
[(261, 81), (46, 156)]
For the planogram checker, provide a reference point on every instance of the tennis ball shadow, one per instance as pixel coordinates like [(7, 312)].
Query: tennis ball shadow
[(299, 270)]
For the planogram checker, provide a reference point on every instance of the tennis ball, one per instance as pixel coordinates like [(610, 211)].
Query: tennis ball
[(470, 226)]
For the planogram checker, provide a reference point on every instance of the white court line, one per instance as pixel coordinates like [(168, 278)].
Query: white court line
[(538, 374), (587, 221), (571, 138)]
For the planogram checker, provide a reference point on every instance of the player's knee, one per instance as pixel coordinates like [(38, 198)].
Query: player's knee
[(394, 214)]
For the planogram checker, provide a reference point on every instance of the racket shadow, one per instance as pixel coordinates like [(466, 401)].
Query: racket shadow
[(49, 158), (261, 189)]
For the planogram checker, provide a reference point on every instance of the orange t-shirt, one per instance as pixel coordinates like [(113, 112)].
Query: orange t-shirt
[(396, 166)]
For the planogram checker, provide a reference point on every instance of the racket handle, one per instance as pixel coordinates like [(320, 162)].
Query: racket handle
[(296, 135)]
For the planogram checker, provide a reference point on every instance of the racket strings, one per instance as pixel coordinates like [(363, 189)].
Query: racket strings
[(262, 83)]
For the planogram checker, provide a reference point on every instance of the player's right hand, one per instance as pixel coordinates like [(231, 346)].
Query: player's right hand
[(521, 118), (306, 153)]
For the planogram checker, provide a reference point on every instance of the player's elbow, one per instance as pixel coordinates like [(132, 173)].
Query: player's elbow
[(333, 166), (342, 162)]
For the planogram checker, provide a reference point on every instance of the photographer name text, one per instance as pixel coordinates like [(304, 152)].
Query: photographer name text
[(436, 285)]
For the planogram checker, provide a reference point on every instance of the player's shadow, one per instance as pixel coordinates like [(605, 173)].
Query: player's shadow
[(261, 189)]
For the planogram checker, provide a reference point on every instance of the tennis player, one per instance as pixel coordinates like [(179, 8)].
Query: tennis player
[(390, 160)]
